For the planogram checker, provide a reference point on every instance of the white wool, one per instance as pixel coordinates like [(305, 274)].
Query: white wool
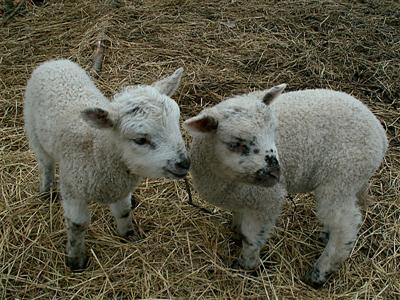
[(327, 142), (95, 142)]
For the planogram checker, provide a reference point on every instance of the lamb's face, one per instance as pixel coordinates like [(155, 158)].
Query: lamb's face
[(244, 145), (145, 121), (150, 135), (241, 135)]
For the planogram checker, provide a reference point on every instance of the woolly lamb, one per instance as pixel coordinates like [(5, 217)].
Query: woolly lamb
[(103, 148), (250, 150)]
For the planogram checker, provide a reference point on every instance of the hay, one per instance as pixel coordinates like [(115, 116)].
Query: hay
[(226, 47)]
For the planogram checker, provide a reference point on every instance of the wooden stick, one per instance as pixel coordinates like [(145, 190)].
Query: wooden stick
[(98, 57)]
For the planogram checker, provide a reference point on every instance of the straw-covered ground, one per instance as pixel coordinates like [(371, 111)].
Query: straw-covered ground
[(226, 47)]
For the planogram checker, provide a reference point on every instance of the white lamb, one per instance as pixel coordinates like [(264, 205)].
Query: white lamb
[(103, 148), (250, 150)]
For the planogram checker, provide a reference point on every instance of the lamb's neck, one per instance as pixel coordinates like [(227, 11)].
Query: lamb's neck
[(204, 170), (108, 153)]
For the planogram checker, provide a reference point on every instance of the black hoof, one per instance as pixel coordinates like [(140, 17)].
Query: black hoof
[(313, 279), (130, 236), (236, 239), (236, 265), (77, 264), (252, 272)]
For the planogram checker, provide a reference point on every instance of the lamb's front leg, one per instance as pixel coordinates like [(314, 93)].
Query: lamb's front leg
[(121, 210), (255, 229), (77, 219)]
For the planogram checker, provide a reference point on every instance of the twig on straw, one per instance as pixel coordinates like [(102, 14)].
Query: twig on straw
[(190, 201)]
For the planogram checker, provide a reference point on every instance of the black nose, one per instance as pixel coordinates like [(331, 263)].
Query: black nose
[(183, 164), (271, 161)]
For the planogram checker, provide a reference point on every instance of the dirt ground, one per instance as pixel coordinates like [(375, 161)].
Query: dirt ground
[(226, 47)]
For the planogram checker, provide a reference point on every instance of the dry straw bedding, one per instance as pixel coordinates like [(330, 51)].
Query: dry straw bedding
[(226, 47)]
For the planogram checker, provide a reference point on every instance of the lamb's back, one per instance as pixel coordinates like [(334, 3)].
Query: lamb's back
[(55, 95), (325, 134)]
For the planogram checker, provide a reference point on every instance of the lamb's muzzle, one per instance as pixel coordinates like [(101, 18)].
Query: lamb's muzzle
[(268, 176), (180, 168)]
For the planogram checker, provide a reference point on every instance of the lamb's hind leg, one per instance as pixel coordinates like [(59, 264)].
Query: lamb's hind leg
[(77, 220), (343, 218), (121, 210), (46, 167)]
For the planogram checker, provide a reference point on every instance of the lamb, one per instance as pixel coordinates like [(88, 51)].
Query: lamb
[(103, 148), (249, 151)]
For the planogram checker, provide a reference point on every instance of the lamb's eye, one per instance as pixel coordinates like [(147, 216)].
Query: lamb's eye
[(141, 141), (234, 146), (238, 147)]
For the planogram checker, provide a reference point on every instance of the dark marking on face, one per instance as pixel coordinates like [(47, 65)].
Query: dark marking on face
[(239, 145), (152, 145), (271, 161), (246, 150), (256, 151), (253, 141)]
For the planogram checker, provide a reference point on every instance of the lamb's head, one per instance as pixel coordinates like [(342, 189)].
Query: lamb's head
[(145, 122), (240, 135)]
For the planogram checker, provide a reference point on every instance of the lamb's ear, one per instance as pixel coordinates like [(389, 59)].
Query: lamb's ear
[(98, 117), (201, 123), (170, 84), (272, 93)]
